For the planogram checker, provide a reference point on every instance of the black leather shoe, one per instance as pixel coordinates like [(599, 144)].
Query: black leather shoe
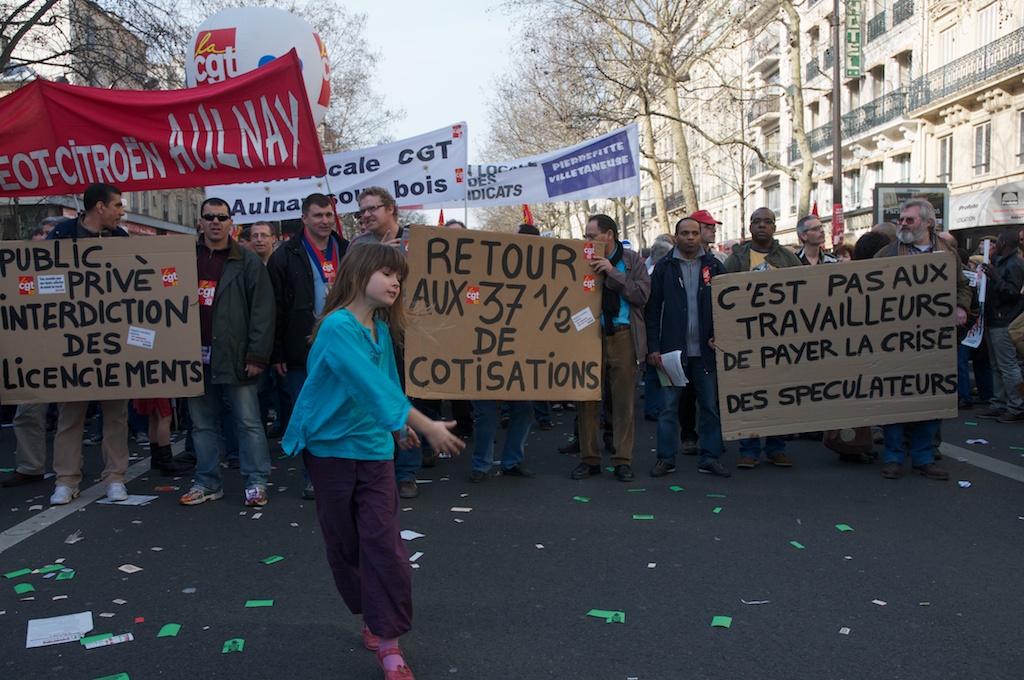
[(623, 473), (477, 476), (518, 470), (862, 458), (662, 468), (571, 447), (583, 471)]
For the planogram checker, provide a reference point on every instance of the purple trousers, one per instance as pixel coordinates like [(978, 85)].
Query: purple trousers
[(357, 505)]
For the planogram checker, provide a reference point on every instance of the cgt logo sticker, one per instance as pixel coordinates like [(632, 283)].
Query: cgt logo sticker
[(472, 295), (207, 291), (169, 276), (215, 59), (588, 252), (26, 285), (589, 284)]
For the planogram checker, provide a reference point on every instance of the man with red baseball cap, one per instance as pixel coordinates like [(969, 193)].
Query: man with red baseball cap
[(707, 232)]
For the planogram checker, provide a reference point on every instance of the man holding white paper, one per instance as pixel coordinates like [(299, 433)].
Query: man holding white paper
[(678, 316)]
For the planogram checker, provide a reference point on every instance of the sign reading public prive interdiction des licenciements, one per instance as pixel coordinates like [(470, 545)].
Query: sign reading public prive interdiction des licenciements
[(105, 318), (804, 349)]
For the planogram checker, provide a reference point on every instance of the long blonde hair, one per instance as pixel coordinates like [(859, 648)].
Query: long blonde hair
[(358, 265)]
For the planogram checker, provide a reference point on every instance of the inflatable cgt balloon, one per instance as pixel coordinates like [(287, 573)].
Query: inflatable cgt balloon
[(239, 40)]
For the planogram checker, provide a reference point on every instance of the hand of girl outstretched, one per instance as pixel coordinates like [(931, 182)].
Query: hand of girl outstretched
[(440, 436), (438, 433)]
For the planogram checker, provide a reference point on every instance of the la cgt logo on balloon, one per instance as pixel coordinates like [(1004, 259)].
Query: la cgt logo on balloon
[(239, 40)]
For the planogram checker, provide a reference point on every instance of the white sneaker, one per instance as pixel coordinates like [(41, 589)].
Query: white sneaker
[(116, 491), (63, 495)]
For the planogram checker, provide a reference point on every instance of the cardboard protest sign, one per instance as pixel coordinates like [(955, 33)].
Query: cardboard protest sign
[(818, 348), (110, 318), (501, 316)]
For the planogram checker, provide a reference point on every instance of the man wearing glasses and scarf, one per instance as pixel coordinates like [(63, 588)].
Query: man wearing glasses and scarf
[(623, 339)]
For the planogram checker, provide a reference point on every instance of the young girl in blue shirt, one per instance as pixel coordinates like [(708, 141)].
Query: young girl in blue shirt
[(346, 423)]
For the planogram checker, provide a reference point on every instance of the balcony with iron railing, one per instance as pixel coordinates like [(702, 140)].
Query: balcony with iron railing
[(812, 71), (901, 11), (877, 112), (764, 48), (765, 106), (876, 26), (757, 167), (1003, 56)]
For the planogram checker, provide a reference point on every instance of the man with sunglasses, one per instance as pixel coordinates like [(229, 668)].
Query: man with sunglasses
[(236, 321)]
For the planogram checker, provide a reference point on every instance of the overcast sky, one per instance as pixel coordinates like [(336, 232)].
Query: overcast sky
[(439, 59)]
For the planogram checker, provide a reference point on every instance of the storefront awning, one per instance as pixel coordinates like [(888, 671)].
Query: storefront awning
[(1001, 205)]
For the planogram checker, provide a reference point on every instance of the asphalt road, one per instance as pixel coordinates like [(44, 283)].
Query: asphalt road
[(928, 582)]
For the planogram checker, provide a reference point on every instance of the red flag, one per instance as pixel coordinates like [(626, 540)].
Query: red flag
[(527, 215), (59, 139), (440, 218), (814, 209)]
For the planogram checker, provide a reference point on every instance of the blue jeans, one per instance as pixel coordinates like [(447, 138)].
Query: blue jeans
[(205, 411), (541, 410), (485, 427), (408, 461), (922, 435), (705, 383), (752, 446), (652, 392)]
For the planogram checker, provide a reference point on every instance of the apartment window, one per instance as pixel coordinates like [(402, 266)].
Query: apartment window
[(853, 187), (946, 159), (983, 148), (988, 24), (1020, 142), (794, 196), (854, 89), (875, 174), (772, 198), (905, 63), (947, 45), (903, 163), (815, 116), (877, 81)]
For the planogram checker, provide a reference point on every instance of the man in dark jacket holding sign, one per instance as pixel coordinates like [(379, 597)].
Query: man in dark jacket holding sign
[(915, 235), (678, 317), (623, 340), (103, 210)]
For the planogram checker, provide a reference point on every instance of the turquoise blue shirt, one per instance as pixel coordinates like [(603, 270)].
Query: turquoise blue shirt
[(352, 400), (622, 318)]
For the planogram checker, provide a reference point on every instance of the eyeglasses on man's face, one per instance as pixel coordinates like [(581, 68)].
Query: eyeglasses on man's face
[(368, 209), (210, 217)]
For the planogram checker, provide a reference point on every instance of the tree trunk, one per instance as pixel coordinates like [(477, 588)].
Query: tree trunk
[(795, 99)]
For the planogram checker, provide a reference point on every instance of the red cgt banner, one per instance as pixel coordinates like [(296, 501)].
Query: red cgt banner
[(59, 139)]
